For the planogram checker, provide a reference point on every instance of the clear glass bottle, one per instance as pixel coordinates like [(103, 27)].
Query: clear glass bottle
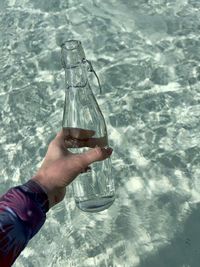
[(83, 122)]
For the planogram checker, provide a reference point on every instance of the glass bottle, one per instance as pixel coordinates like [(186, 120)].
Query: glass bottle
[(84, 124)]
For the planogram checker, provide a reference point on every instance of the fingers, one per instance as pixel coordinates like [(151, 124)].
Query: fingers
[(95, 154), (74, 133), (59, 139), (77, 133), (93, 142), (74, 143), (77, 138)]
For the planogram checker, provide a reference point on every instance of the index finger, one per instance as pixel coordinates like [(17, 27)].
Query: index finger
[(77, 133), (90, 142)]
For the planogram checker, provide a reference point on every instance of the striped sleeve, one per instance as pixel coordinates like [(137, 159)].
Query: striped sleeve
[(22, 214)]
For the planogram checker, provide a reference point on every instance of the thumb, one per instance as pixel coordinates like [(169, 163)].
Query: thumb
[(95, 154)]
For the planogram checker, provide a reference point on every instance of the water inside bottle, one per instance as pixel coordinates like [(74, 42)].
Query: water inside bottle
[(91, 202), (93, 191), (95, 205)]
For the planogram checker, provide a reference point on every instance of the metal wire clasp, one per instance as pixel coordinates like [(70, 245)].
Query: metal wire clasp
[(91, 69)]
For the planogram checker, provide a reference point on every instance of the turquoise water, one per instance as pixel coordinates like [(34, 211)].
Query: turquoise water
[(147, 54)]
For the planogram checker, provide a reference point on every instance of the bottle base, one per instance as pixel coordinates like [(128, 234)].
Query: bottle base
[(95, 205)]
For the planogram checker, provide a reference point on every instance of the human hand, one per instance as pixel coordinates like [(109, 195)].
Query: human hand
[(60, 166)]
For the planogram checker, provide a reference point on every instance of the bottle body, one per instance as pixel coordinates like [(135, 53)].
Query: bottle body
[(85, 128), (82, 120)]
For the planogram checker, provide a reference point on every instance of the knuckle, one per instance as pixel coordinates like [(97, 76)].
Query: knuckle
[(98, 151), (80, 162)]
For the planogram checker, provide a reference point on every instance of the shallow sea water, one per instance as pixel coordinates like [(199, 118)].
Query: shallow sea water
[(147, 55)]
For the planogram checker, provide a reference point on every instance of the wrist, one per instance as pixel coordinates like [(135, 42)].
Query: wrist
[(36, 193), (54, 194)]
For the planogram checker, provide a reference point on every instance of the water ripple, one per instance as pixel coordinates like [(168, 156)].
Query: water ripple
[(147, 56)]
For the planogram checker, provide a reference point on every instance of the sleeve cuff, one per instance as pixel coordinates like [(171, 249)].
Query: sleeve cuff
[(36, 193)]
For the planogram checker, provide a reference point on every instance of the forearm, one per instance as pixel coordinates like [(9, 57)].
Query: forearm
[(22, 213), (54, 193)]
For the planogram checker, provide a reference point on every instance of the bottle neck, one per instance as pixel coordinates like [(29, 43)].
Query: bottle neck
[(76, 77)]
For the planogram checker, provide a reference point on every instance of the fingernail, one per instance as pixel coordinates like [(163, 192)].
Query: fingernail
[(109, 150)]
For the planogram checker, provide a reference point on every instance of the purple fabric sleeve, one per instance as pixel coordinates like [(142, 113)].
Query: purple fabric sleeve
[(22, 213)]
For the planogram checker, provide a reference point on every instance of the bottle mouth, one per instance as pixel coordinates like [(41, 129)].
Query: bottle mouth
[(71, 45), (72, 54)]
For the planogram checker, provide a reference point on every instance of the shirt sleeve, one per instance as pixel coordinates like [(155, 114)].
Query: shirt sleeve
[(22, 214)]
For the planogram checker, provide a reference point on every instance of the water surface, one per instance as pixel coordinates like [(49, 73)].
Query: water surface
[(147, 54)]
